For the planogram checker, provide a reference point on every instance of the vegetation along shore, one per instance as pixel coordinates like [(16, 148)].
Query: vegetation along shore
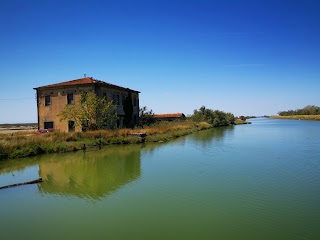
[(298, 117), (24, 144), (309, 112)]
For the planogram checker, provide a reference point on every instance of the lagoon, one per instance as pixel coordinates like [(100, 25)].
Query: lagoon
[(258, 181)]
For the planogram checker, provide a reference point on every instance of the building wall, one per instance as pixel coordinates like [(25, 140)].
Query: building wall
[(168, 119), (59, 100), (118, 96)]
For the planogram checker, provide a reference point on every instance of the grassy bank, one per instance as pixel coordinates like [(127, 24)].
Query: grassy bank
[(299, 117), (239, 121), (19, 145)]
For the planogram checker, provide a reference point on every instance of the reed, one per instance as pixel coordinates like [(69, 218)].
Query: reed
[(299, 117)]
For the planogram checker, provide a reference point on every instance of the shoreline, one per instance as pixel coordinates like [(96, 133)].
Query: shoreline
[(298, 117), (22, 144)]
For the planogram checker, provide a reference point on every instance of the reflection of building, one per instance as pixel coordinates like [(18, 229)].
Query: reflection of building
[(169, 117), (51, 99), (94, 176)]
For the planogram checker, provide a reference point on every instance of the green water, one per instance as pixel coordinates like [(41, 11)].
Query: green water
[(259, 181)]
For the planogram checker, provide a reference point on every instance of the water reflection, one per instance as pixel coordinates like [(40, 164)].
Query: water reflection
[(93, 174), (208, 137)]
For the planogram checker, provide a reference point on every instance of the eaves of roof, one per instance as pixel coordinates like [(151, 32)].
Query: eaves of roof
[(82, 81), (170, 115)]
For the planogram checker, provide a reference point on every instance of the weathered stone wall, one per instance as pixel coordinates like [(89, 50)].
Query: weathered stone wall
[(59, 100)]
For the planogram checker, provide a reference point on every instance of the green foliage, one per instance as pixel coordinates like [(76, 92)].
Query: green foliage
[(3, 152), (91, 112), (214, 117), (307, 110), (128, 110), (18, 146), (146, 116)]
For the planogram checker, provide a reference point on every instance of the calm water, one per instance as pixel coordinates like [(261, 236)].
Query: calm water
[(259, 181)]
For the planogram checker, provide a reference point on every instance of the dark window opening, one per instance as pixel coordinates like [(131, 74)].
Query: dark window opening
[(135, 101), (71, 126), (116, 99), (105, 96), (48, 125), (70, 98), (47, 100)]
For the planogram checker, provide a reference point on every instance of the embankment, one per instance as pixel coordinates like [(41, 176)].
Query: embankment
[(21, 145), (298, 117)]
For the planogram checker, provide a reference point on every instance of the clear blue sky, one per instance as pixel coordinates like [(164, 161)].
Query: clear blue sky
[(245, 57)]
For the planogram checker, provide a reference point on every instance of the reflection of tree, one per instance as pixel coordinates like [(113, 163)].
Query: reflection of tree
[(12, 165), (150, 148), (93, 174), (206, 137)]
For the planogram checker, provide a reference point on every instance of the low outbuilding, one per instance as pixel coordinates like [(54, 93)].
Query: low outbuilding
[(169, 117)]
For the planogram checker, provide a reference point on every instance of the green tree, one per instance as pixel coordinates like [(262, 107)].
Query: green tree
[(215, 117), (128, 110), (91, 112), (146, 116), (307, 110)]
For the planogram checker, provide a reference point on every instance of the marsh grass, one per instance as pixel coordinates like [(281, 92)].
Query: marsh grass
[(299, 117), (19, 145)]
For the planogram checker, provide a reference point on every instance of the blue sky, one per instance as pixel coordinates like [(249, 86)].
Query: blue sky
[(245, 57)]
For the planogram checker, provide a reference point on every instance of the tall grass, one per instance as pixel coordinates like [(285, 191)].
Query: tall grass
[(299, 117), (19, 145)]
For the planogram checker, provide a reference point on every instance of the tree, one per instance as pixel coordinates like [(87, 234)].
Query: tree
[(146, 117), (91, 112), (128, 110), (307, 110), (214, 117)]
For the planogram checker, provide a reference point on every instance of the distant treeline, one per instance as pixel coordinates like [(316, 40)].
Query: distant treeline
[(307, 110), (14, 125)]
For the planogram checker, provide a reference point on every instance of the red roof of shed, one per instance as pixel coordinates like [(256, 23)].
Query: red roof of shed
[(169, 115)]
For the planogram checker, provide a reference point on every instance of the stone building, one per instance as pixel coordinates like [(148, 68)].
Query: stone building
[(52, 98)]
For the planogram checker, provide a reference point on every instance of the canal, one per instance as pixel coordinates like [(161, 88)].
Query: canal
[(258, 181)]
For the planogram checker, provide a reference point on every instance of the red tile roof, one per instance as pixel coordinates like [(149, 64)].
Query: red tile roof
[(81, 81), (170, 115)]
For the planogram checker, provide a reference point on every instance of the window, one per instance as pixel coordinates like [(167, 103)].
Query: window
[(123, 99), (70, 99), (71, 126), (105, 96), (48, 125), (116, 99), (135, 101), (47, 100)]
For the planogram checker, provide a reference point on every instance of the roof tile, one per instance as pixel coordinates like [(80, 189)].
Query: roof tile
[(169, 115), (81, 81)]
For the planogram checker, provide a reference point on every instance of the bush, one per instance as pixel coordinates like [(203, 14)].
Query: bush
[(214, 117)]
